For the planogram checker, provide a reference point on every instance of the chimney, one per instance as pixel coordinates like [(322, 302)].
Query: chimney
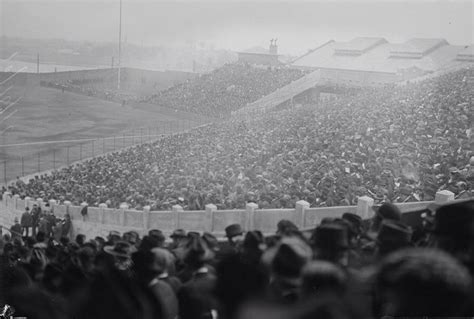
[(273, 47)]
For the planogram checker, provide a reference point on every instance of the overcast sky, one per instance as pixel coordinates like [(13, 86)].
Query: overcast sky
[(238, 25)]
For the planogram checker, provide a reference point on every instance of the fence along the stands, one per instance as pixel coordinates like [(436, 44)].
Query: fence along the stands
[(32, 161), (99, 221)]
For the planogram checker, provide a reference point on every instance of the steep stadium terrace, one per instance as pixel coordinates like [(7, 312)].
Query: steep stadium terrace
[(363, 62)]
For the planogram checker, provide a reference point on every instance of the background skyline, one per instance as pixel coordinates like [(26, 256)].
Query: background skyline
[(237, 25)]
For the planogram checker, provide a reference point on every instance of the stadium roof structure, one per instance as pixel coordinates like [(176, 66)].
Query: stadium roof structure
[(357, 46), (378, 55)]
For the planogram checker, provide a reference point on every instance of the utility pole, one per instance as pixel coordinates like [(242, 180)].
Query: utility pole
[(120, 47)]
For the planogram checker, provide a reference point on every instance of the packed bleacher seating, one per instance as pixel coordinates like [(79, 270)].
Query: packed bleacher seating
[(226, 89), (395, 144), (215, 94), (342, 268)]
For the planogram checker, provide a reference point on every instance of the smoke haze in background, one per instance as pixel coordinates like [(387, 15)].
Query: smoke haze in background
[(235, 25)]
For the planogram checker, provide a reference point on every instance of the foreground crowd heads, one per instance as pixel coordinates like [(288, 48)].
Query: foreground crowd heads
[(344, 268), (393, 144)]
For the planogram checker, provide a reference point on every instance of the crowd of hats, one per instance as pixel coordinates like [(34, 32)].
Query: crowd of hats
[(226, 89), (343, 268), (215, 94), (394, 144)]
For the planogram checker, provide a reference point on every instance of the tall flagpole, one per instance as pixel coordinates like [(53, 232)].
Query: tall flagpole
[(120, 47)]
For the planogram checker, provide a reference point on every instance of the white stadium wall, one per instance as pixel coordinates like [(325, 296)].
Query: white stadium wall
[(99, 221)]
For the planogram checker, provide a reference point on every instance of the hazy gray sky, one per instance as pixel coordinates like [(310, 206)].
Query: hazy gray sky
[(236, 24)]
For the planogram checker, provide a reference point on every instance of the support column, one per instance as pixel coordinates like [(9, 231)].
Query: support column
[(52, 203), (364, 207), (27, 202), (67, 204), (250, 220), (102, 206), (5, 196), (16, 198), (84, 204), (210, 209), (123, 207), (177, 209), (300, 208), (442, 197), (146, 218)]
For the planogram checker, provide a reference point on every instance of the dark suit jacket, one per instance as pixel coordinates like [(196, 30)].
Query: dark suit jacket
[(197, 297)]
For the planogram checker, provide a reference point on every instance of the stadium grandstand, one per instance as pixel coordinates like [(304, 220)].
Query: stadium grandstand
[(276, 159), (226, 89), (365, 62), (289, 206)]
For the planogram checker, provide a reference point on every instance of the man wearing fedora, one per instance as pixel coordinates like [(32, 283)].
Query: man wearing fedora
[(35, 214), (121, 252), (330, 243), (452, 231), (15, 229), (197, 292), (386, 211), (178, 237), (147, 268), (392, 236), (286, 263), (26, 222), (235, 235)]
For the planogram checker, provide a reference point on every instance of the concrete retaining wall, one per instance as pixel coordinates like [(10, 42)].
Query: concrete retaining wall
[(101, 220)]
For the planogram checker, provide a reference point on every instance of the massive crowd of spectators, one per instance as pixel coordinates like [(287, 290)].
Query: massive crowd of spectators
[(394, 144), (226, 89), (215, 94), (343, 268)]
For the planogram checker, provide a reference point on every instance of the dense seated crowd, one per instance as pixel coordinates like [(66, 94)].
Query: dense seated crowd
[(215, 94), (343, 268), (395, 144), (226, 89)]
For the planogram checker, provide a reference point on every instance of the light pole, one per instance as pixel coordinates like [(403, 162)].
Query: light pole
[(120, 47)]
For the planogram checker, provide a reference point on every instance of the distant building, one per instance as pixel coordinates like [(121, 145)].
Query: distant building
[(261, 56), (353, 62)]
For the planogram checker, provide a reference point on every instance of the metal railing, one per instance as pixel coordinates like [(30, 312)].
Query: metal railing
[(27, 159)]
